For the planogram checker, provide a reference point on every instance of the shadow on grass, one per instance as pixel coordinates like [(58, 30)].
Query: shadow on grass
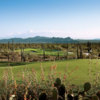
[(6, 64)]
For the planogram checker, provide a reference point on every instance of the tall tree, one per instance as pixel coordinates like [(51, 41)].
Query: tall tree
[(43, 48), (67, 49), (77, 51), (8, 50), (81, 53), (89, 47)]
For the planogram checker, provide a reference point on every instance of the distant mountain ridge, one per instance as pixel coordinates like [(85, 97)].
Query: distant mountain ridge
[(39, 39)]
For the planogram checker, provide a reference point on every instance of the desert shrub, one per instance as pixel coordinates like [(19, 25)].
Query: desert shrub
[(46, 88)]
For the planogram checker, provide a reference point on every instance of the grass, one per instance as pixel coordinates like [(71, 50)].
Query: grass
[(76, 70), (47, 52)]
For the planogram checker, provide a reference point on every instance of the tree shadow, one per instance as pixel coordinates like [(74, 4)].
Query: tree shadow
[(6, 64)]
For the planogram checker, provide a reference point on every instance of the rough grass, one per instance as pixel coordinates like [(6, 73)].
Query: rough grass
[(75, 70)]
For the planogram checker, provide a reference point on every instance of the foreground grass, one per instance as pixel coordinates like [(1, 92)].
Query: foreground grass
[(76, 70)]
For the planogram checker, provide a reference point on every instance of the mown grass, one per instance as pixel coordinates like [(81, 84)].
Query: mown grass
[(47, 52), (75, 70)]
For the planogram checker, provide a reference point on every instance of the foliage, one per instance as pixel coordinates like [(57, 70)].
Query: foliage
[(48, 87)]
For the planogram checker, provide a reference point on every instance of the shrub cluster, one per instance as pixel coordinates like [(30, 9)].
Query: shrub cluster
[(44, 91)]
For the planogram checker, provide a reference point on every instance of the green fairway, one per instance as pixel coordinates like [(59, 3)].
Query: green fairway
[(47, 52), (75, 70)]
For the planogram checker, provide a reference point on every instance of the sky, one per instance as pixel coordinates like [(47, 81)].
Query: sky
[(78, 19)]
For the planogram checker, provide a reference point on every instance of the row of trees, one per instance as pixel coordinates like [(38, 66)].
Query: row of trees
[(13, 46), (78, 50)]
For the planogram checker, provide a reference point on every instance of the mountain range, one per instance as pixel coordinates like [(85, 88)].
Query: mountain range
[(39, 39)]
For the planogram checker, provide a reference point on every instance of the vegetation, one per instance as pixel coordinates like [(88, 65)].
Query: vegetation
[(49, 71), (76, 70), (48, 52), (60, 80)]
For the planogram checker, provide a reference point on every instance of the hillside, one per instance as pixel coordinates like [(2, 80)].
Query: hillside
[(39, 39)]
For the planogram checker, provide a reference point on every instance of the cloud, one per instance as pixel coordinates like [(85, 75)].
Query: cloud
[(52, 33), (32, 33)]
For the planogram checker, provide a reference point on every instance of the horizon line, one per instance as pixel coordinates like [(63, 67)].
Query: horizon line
[(2, 38)]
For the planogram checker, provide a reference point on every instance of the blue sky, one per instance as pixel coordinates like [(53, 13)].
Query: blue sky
[(54, 18)]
